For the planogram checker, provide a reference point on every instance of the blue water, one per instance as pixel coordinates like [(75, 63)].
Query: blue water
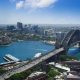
[(74, 52), (25, 49)]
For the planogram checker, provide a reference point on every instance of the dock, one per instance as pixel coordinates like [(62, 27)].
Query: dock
[(9, 58), (6, 63)]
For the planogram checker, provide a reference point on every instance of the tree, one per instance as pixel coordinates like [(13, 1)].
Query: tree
[(52, 73), (20, 76), (66, 57), (2, 71)]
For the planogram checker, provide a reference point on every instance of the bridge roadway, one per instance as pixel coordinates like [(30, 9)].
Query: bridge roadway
[(30, 64)]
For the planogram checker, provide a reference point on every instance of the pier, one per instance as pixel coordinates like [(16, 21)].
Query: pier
[(6, 63), (9, 58)]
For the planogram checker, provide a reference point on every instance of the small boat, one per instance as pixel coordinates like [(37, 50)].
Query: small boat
[(37, 55)]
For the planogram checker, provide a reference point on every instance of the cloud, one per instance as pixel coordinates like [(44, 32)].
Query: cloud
[(20, 4), (34, 3)]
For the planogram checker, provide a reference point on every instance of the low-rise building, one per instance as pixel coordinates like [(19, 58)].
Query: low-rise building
[(37, 76)]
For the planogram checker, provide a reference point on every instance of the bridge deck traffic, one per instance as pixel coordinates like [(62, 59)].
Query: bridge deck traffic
[(30, 64)]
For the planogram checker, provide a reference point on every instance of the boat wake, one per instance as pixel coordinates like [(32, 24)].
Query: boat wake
[(41, 49)]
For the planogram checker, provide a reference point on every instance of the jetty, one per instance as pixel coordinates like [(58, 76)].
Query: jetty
[(10, 58)]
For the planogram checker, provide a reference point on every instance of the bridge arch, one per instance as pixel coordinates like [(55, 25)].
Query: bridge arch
[(70, 39)]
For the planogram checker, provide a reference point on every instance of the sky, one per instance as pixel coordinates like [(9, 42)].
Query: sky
[(40, 11)]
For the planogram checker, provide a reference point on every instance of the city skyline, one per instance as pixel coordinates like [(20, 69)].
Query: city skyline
[(40, 11)]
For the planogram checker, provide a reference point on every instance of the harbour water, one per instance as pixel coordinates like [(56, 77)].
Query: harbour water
[(74, 52), (25, 49)]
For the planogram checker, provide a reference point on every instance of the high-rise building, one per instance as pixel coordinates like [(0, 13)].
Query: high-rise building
[(11, 27), (48, 32), (19, 25), (60, 35), (35, 29)]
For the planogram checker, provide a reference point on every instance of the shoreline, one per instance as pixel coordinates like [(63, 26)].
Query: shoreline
[(49, 42), (44, 41)]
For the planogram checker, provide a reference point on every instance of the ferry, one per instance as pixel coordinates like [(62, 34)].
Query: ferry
[(37, 55), (9, 58)]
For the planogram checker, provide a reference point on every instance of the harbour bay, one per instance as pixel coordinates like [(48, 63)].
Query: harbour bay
[(24, 50)]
